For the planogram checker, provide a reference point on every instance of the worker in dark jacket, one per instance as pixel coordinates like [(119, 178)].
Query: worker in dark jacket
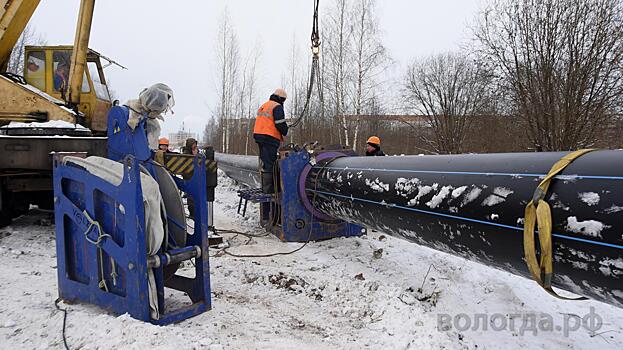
[(373, 146), (190, 148), (268, 132)]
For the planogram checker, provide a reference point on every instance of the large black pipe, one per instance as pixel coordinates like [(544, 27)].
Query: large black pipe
[(473, 206), (243, 169)]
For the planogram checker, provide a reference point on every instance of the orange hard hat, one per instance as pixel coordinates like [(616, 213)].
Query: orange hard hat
[(163, 141), (374, 139)]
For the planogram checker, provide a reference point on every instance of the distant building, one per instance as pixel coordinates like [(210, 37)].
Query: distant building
[(178, 139)]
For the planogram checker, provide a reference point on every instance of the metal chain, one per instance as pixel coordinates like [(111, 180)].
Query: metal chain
[(315, 35), (315, 68)]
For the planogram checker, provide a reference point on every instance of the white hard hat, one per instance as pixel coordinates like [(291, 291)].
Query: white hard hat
[(281, 93)]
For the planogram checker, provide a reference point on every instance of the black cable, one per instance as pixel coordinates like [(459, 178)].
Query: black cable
[(58, 300), (310, 88), (217, 231), (274, 214)]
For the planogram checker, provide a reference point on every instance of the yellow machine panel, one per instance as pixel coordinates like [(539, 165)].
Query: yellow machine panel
[(20, 103)]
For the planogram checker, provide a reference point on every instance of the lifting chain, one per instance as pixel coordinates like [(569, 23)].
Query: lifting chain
[(314, 74)]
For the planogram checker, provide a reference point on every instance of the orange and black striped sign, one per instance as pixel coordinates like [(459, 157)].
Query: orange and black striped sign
[(211, 166), (182, 164)]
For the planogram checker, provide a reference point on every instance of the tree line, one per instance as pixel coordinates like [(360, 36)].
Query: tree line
[(536, 75)]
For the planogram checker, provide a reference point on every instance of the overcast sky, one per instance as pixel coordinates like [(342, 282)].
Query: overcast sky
[(173, 41)]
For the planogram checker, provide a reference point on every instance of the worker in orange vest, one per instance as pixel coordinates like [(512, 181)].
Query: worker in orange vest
[(268, 132), (373, 146)]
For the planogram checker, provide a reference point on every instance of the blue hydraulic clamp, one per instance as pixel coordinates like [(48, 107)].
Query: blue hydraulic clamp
[(291, 216), (101, 233)]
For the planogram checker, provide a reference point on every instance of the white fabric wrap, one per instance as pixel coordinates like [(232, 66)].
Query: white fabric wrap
[(152, 102), (155, 215)]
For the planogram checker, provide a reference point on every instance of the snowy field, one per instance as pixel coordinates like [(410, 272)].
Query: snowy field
[(372, 292)]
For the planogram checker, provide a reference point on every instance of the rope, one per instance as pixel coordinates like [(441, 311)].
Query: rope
[(100, 237), (539, 213), (315, 68)]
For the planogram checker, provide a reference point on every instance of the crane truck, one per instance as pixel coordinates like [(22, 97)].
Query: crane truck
[(59, 103)]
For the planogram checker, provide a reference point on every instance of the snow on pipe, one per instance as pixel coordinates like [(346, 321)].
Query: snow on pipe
[(473, 206)]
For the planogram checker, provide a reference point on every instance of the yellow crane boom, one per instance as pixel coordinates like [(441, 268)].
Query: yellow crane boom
[(79, 53), (14, 16)]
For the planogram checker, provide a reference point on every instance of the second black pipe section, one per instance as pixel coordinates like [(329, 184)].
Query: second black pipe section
[(473, 206)]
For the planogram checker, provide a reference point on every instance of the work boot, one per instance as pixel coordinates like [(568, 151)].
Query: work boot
[(268, 186)]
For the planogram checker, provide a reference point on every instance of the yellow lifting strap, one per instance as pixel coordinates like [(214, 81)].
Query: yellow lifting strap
[(538, 212)]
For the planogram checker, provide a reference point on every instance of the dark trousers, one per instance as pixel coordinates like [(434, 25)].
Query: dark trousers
[(268, 157)]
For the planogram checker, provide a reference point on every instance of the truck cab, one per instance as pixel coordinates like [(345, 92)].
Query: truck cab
[(47, 69)]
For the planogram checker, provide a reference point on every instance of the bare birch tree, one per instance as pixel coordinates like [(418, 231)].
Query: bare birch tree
[(248, 93), (337, 48), (561, 62), (228, 62), (370, 61)]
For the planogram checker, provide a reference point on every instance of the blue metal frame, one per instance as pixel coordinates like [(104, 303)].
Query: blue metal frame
[(122, 140), (82, 198), (254, 195), (297, 223)]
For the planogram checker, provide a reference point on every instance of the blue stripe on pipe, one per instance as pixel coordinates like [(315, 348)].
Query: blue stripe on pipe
[(559, 177), (466, 219)]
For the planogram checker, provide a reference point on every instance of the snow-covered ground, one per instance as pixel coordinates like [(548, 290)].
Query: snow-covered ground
[(373, 292)]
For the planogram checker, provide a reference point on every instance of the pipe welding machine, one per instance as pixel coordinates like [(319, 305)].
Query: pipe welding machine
[(289, 213), (121, 229)]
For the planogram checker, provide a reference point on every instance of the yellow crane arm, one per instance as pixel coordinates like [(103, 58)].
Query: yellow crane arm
[(81, 47), (14, 16)]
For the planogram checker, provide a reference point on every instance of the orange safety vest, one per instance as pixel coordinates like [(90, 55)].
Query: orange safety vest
[(265, 121)]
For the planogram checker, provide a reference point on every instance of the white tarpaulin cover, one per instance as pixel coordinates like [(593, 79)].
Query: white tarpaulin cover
[(152, 103)]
